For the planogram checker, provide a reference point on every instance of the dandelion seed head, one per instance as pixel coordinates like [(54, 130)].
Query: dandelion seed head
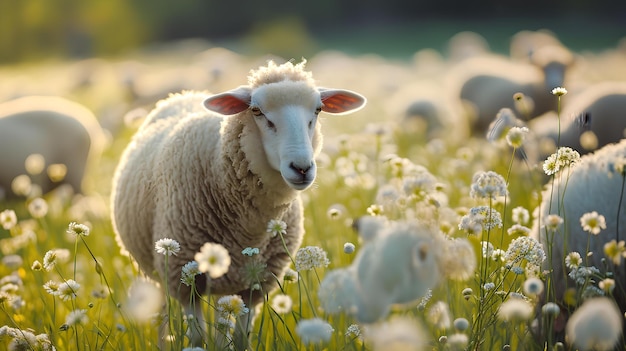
[(461, 324), (213, 259), (282, 303), (438, 315), (397, 334), (77, 317), (38, 207), (550, 309), (458, 341), (314, 331), (515, 310), (596, 324), (459, 260), (348, 248), (533, 286), (145, 300)]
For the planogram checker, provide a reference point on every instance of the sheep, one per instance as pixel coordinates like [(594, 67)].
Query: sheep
[(596, 183), (485, 93), (62, 132), (591, 119), (217, 168)]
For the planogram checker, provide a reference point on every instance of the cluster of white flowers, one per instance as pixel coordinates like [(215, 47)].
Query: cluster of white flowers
[(23, 339), (526, 248), (563, 157), (54, 257), (189, 272), (615, 251), (231, 305), (480, 218), (65, 291), (311, 257), (488, 185), (515, 136)]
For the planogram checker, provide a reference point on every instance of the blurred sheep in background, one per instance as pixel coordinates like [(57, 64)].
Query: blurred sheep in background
[(45, 142), (488, 84), (590, 120)]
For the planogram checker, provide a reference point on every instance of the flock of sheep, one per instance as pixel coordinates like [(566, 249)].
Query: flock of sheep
[(216, 168)]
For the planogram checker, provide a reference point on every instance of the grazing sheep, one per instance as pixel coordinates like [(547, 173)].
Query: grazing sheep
[(195, 176), (524, 43), (596, 183), (591, 119), (61, 131), (486, 92)]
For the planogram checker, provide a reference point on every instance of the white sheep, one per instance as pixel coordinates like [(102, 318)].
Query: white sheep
[(591, 119), (596, 183), (491, 85), (61, 131), (217, 169)]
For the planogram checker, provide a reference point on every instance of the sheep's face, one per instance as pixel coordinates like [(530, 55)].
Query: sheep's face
[(286, 115)]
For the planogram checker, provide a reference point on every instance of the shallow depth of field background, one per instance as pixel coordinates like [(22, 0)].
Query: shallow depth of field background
[(119, 57)]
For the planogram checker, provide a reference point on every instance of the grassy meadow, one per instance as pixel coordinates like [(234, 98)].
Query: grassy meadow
[(63, 290)]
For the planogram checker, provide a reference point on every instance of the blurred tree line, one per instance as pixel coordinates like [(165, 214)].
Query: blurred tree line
[(40, 29)]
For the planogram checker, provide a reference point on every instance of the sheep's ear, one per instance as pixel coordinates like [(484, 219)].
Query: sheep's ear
[(230, 102), (339, 101)]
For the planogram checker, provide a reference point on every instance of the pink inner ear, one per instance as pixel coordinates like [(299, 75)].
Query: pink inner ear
[(341, 102), (225, 104)]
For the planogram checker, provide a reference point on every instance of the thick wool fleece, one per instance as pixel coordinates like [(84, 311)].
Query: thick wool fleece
[(594, 184), (194, 181)]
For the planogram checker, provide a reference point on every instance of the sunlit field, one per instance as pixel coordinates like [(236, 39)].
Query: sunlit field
[(471, 275)]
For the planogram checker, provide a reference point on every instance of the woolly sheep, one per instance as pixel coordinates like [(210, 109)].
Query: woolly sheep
[(61, 131), (398, 264), (591, 119), (217, 169), (594, 184), (495, 82)]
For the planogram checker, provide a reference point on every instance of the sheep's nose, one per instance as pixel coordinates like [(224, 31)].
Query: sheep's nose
[(300, 169)]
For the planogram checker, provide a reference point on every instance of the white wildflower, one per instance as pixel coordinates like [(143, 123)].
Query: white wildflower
[(213, 259), (167, 247)]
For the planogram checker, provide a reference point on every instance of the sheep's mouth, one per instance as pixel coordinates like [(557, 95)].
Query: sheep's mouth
[(301, 183)]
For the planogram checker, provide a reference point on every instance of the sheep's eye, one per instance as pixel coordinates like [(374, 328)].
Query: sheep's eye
[(318, 110), (256, 111)]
